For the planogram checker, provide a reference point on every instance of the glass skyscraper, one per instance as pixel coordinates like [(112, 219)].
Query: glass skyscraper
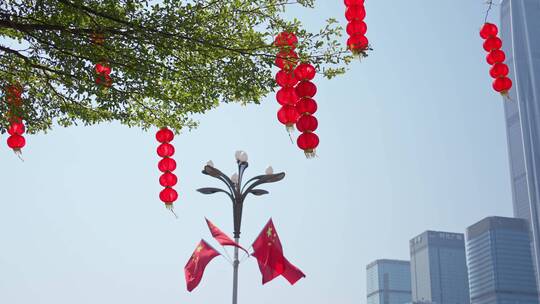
[(439, 268), (388, 282), (520, 31), (500, 263)]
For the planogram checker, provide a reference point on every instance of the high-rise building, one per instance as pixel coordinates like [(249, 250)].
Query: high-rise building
[(439, 268), (520, 31), (388, 282), (500, 263)]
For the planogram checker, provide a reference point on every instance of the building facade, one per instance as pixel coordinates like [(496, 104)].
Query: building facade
[(520, 28), (439, 269), (388, 282), (500, 262)]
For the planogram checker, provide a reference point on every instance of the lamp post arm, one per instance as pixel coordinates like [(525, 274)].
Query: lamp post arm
[(270, 178), (216, 173), (251, 180), (215, 190)]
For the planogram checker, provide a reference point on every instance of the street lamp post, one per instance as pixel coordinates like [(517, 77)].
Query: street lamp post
[(238, 193)]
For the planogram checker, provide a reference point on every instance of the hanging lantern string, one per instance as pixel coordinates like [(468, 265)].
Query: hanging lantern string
[(19, 155), (490, 6), (290, 137), (172, 210)]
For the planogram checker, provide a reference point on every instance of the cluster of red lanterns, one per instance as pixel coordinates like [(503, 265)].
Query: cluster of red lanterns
[(296, 93), (102, 68), (306, 107), (16, 128), (167, 165), (356, 28), (286, 61), (499, 70)]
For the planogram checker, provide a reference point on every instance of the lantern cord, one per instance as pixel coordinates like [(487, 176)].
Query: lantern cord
[(507, 97), (19, 154), (490, 5), (290, 137), (172, 210)]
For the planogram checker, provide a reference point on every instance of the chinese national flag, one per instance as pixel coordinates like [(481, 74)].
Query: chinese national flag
[(221, 237), (292, 273), (269, 253), (194, 268)]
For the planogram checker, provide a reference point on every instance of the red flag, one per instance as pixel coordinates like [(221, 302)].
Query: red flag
[(269, 253), (292, 273), (194, 268), (221, 237)]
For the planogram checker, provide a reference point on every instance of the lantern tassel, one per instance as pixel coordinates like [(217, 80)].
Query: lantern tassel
[(506, 96), (171, 208), (310, 154), (18, 152)]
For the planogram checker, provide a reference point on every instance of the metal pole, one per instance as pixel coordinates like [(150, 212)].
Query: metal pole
[(236, 262), (237, 219)]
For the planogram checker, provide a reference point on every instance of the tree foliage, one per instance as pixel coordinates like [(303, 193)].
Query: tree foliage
[(170, 59)]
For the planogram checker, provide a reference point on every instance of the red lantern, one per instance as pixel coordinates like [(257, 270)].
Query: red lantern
[(308, 142), (358, 43), (13, 95), (492, 43), (97, 38), (286, 40), (16, 128), (287, 96), (502, 85), (168, 179), (306, 106), (353, 2), (14, 101), (499, 70), (306, 89), (16, 142), (14, 90), (108, 81), (164, 135), (495, 56), (13, 118), (304, 71), (307, 123), (355, 12), (103, 68), (286, 60), (168, 196), (167, 164), (287, 115), (104, 79), (489, 30), (356, 27), (286, 79), (165, 150)]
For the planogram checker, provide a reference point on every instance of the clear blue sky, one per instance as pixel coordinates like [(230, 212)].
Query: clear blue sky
[(412, 138)]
